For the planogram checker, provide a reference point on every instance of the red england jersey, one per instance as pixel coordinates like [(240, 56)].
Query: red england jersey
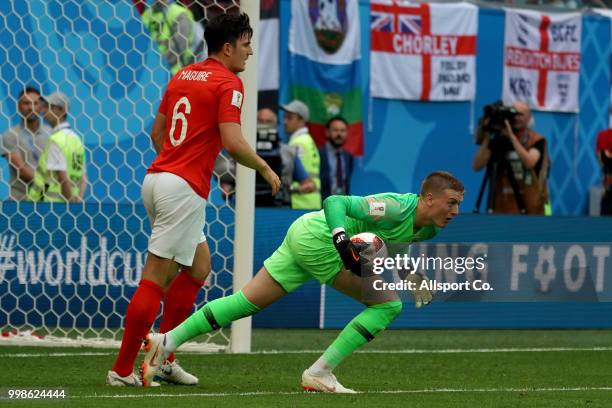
[(197, 99)]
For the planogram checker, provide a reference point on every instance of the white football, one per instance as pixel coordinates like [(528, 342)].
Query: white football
[(370, 245)]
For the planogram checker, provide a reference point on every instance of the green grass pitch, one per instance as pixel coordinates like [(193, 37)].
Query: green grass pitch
[(403, 368)]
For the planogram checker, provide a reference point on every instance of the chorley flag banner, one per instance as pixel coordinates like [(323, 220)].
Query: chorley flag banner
[(542, 59), (423, 51)]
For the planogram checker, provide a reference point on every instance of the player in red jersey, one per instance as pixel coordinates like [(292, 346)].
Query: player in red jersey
[(199, 114)]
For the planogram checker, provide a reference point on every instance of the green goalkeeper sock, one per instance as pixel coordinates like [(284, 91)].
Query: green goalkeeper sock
[(212, 316), (362, 329)]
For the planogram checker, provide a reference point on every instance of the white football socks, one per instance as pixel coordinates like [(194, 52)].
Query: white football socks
[(320, 367), (168, 344)]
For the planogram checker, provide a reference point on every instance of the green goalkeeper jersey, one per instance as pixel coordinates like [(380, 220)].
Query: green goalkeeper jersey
[(391, 216)]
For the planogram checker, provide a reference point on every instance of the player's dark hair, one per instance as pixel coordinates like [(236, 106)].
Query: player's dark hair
[(28, 89), (438, 181), (335, 118), (226, 28)]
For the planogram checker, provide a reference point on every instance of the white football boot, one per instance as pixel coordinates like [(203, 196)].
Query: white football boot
[(153, 359), (133, 380), (115, 380), (173, 373), (323, 383)]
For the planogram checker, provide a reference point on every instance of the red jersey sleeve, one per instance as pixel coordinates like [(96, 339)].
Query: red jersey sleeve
[(231, 95)]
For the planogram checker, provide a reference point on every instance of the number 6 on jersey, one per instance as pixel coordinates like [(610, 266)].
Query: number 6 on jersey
[(176, 115)]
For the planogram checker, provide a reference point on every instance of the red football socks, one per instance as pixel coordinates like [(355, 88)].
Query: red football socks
[(139, 318), (178, 302)]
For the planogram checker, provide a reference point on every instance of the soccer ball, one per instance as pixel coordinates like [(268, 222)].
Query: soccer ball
[(370, 245), (367, 238)]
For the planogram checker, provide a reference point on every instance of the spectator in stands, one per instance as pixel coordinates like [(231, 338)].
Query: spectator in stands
[(266, 116), (60, 175), (604, 155), (23, 144), (178, 36), (292, 168), (336, 163), (295, 119), (527, 155)]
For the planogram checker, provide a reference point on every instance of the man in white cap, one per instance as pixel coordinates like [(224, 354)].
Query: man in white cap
[(296, 117), (60, 175)]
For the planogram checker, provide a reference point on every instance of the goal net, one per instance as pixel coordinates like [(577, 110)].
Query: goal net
[(67, 273)]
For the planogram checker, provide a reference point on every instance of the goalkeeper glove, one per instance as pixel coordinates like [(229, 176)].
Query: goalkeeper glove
[(349, 253), (421, 296)]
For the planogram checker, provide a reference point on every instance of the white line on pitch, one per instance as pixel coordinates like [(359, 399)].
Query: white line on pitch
[(273, 393), (77, 354), (408, 351), (445, 351)]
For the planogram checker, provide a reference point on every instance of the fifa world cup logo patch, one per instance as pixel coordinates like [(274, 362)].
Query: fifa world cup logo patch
[(237, 99), (377, 208)]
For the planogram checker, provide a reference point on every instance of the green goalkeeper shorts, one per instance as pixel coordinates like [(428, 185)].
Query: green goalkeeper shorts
[(301, 257)]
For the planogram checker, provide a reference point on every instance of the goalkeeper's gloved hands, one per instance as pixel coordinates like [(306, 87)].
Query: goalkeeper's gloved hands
[(421, 296), (349, 253)]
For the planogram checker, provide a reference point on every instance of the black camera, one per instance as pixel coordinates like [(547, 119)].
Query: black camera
[(267, 137), (497, 114), (268, 148)]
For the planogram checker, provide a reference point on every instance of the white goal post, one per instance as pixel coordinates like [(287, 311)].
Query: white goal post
[(240, 341)]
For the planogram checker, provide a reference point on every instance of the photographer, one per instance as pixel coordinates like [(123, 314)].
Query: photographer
[(283, 159), (507, 143), (604, 155)]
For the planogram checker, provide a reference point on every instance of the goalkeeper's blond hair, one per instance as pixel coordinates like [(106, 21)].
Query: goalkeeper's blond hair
[(439, 181)]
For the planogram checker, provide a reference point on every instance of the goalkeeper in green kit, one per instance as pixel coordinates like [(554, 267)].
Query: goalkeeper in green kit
[(318, 245)]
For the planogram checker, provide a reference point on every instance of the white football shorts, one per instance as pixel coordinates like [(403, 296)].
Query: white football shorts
[(176, 214)]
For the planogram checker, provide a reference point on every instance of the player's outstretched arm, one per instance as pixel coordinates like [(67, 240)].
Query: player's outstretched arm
[(336, 208), (235, 144), (371, 208)]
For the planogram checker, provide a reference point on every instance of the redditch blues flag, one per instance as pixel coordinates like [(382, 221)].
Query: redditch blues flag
[(542, 59), (324, 71), (423, 51)]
